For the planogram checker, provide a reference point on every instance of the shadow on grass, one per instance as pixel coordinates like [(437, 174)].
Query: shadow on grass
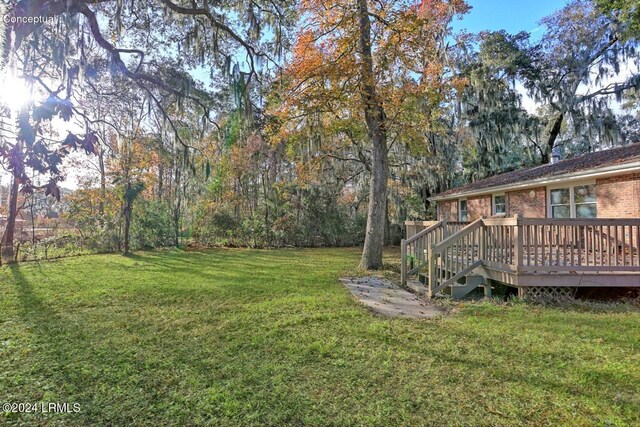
[(235, 265), (55, 337)]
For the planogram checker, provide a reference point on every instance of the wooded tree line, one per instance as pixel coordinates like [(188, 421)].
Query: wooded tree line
[(276, 123)]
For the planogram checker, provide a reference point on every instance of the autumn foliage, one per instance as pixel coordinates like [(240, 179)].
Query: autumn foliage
[(410, 64)]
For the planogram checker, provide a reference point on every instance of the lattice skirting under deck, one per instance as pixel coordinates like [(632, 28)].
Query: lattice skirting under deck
[(547, 293)]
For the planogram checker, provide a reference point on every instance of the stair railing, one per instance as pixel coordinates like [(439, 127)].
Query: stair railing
[(414, 250), (455, 257)]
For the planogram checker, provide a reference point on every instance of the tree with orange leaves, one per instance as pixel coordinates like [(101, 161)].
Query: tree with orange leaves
[(373, 73)]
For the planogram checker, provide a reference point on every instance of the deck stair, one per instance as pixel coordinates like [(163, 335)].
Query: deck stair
[(461, 288), (471, 283)]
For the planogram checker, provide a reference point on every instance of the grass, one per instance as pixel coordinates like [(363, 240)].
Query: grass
[(250, 337)]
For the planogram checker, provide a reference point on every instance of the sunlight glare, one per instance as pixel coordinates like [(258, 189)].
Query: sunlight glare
[(14, 92)]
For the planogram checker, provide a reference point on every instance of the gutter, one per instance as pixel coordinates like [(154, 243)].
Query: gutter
[(523, 185)]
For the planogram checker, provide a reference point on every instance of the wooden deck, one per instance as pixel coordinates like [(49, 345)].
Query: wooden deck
[(525, 252)]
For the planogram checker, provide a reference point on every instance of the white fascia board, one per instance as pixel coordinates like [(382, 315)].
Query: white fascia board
[(602, 172)]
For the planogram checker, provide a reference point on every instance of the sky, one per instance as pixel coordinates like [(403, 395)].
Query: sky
[(521, 15), (510, 15)]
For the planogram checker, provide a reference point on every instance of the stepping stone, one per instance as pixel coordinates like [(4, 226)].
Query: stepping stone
[(387, 299)]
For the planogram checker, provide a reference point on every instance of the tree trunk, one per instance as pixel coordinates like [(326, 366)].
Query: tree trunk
[(103, 187), (176, 220), (127, 226), (160, 171), (127, 211), (375, 118), (177, 207), (160, 181), (176, 231), (7, 254), (387, 226), (551, 141)]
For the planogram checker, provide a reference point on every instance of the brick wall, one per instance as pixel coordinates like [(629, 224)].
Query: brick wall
[(479, 206), (448, 210), (619, 196), (521, 203)]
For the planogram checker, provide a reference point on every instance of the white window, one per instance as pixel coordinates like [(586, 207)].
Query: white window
[(573, 202), (499, 205), (584, 198), (560, 203), (462, 211)]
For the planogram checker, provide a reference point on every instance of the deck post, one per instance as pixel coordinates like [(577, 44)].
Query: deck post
[(518, 241), (482, 249), (412, 230), (432, 272), (445, 230), (403, 262)]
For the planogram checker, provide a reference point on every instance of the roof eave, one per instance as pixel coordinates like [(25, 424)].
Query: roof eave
[(587, 173)]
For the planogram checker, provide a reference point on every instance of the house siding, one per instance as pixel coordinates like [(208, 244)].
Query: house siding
[(521, 203), (448, 210), (478, 207), (618, 196)]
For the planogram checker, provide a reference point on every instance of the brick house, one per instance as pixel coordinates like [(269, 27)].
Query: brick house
[(550, 230), (604, 184)]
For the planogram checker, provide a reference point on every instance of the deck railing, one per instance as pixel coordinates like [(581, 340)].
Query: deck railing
[(455, 226), (421, 235), (455, 257), (501, 236), (523, 246), (585, 244), (414, 249)]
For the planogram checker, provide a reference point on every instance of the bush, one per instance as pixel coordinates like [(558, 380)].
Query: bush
[(152, 225), (214, 227)]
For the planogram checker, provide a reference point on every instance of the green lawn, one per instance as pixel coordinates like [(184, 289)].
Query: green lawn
[(248, 337)]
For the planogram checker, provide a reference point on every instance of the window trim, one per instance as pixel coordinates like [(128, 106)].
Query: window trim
[(569, 204), (460, 210), (493, 204), (572, 200), (594, 202)]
